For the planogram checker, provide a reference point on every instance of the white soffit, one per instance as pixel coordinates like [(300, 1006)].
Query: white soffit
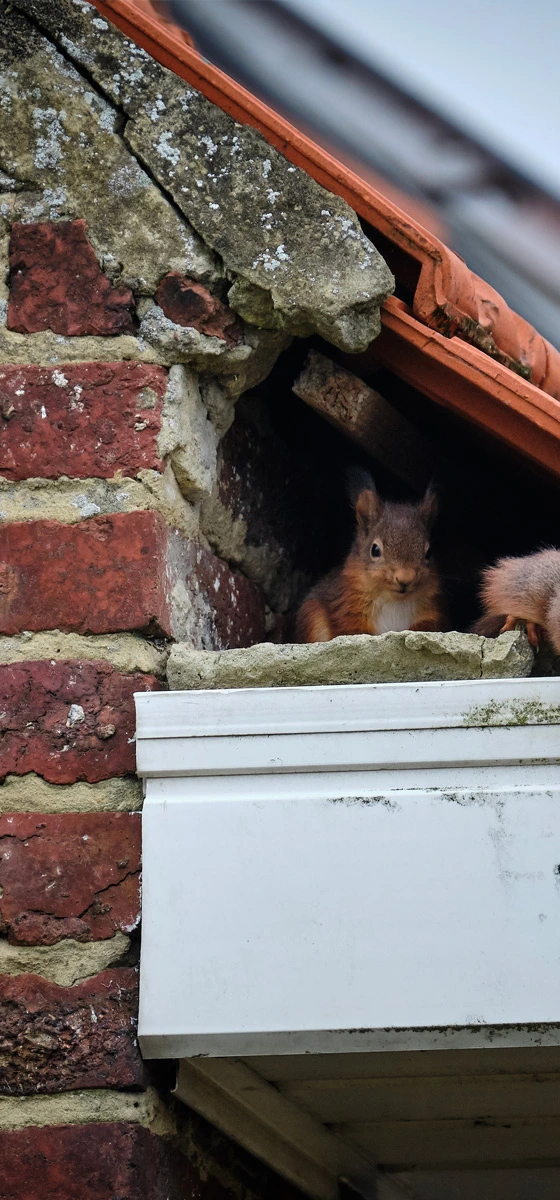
[(351, 900)]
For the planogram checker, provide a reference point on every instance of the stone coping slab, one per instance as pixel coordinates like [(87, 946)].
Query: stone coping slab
[(407, 657)]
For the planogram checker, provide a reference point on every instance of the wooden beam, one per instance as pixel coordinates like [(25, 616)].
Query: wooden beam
[(365, 416)]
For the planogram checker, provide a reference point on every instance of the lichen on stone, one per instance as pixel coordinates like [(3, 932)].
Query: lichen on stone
[(185, 344), (299, 260), (60, 141)]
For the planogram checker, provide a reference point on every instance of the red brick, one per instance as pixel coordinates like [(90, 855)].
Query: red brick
[(83, 420), (235, 605), (121, 1161), (119, 572), (56, 283), (54, 1039), (109, 1161), (103, 574), (38, 732), (189, 303), (69, 875)]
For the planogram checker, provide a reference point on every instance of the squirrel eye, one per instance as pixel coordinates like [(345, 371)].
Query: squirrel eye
[(375, 551), (428, 553)]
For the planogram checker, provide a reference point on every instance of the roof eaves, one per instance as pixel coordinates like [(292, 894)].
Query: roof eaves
[(458, 376), (449, 298)]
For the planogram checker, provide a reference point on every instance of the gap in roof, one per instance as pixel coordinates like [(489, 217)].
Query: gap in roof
[(492, 67)]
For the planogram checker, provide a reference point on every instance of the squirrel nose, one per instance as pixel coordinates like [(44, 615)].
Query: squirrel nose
[(404, 578)]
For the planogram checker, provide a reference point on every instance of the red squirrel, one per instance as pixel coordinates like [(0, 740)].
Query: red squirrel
[(387, 582), (523, 589)]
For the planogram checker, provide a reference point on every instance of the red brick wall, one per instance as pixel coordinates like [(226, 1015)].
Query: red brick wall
[(88, 603)]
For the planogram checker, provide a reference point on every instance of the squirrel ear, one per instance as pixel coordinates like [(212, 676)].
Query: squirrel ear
[(358, 480), (428, 507), (363, 496), (368, 507)]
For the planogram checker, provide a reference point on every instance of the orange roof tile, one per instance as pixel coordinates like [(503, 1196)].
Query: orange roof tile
[(460, 377), (451, 306)]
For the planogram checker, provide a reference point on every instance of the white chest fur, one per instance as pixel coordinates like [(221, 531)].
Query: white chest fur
[(395, 615)]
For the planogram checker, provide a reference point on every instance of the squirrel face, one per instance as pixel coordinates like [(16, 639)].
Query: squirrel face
[(393, 540)]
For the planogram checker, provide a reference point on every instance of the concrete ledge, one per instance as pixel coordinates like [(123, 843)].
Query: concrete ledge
[(392, 658)]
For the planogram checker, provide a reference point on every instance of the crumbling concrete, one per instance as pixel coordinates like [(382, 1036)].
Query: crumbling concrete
[(184, 343), (74, 500), (124, 651), (244, 364), (188, 435), (46, 349), (302, 261), (66, 963), (219, 404), (85, 1107), (31, 793), (391, 658)]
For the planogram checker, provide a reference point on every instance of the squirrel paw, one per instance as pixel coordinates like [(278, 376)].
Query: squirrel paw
[(534, 634), (509, 624), (534, 631)]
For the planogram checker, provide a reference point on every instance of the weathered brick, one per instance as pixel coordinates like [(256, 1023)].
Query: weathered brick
[(104, 574), (118, 1160), (125, 571), (187, 302), (231, 608), (109, 1161), (68, 721), (55, 1039), (85, 419), (56, 283), (288, 495), (71, 875)]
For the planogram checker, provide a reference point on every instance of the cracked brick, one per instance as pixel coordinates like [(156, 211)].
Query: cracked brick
[(69, 876), (189, 303)]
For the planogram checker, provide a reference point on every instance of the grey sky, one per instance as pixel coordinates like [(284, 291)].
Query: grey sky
[(491, 65)]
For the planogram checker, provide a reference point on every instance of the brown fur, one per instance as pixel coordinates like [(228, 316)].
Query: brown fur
[(488, 626), (523, 589), (352, 599)]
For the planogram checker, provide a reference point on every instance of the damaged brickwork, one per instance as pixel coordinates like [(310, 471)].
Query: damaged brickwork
[(156, 261), (55, 1039)]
